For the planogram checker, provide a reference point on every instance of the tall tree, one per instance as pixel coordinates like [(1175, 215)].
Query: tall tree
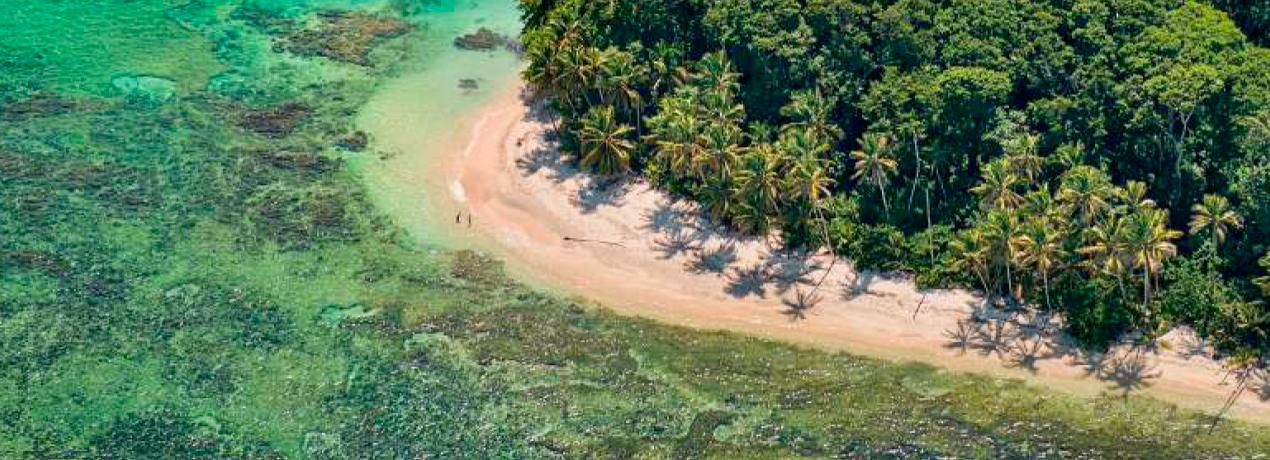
[(1214, 216), (1150, 241), (998, 188), (1108, 251), (760, 182), (1001, 229), (874, 163), (1087, 192), (1041, 247)]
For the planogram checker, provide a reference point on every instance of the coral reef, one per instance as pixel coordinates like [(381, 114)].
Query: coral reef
[(276, 122), (344, 36)]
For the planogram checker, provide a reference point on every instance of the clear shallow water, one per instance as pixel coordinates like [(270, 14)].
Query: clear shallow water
[(415, 117), (177, 281)]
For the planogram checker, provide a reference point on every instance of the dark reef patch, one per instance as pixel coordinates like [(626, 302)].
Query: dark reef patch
[(276, 122), (344, 36)]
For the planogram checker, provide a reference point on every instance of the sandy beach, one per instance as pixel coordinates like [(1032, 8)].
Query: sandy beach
[(638, 251)]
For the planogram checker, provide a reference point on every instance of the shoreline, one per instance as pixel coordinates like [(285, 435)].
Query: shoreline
[(550, 223)]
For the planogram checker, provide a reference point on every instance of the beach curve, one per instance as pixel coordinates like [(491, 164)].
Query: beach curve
[(637, 251)]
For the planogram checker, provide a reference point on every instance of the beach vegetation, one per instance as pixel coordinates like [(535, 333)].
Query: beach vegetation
[(1060, 147)]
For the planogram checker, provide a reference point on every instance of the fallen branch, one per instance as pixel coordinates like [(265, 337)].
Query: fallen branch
[(919, 306), (584, 240)]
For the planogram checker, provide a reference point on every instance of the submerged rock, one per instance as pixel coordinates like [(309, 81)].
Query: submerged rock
[(344, 36), (276, 122), (481, 40), (355, 142), (153, 88)]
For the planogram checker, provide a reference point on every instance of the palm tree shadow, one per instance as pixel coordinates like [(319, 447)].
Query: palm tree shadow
[(681, 241), (986, 332), (543, 158), (1129, 371), (787, 269), (1260, 384), (536, 108), (601, 191), (1128, 368), (803, 301), (1019, 339), (715, 260), (1035, 341), (746, 281), (667, 216)]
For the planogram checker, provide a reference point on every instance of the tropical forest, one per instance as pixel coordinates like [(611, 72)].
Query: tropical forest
[(1109, 160)]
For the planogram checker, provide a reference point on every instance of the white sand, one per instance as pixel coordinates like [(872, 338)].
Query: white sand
[(651, 256)]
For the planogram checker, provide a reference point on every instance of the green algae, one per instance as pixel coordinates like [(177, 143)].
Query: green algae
[(176, 284)]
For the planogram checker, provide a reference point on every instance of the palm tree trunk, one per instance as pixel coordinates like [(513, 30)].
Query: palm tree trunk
[(885, 205), (929, 247), (917, 172), (1146, 286), (1124, 296), (1046, 279), (1009, 281)]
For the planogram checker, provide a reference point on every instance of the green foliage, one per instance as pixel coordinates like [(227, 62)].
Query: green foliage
[(1045, 114), (1194, 295)]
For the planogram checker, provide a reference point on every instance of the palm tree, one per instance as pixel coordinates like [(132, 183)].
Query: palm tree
[(718, 151), (874, 163), (622, 77), (1135, 197), (811, 111), (1041, 247), (663, 69), (1213, 214), (1041, 204), (1000, 228), (1024, 154), (806, 177), (1085, 191), (714, 72), (970, 254), (605, 146), (997, 188), (721, 107), (540, 74), (1107, 250), (1149, 241), (674, 131), (759, 181), (576, 75)]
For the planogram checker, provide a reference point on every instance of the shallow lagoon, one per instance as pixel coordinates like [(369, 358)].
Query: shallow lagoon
[(192, 267)]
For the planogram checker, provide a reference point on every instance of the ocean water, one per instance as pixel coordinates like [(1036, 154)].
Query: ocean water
[(184, 246)]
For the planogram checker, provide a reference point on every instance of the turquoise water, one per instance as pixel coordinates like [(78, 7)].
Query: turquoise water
[(414, 117), (192, 267)]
